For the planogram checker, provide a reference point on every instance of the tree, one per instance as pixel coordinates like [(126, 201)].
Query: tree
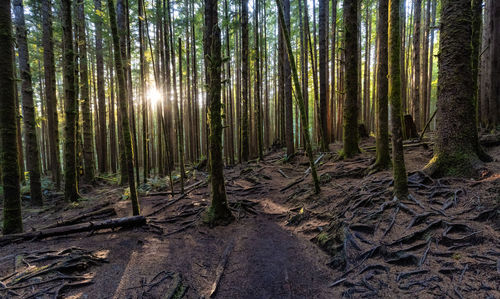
[(88, 136), (383, 160), (123, 103), (323, 74), (218, 212), (457, 151), (398, 162), (257, 92), (101, 96), (298, 92), (494, 115), (32, 152), (416, 63), (50, 91), (287, 85), (12, 219), (351, 29), (244, 79), (70, 106)]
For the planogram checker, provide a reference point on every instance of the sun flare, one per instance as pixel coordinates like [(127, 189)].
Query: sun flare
[(154, 96)]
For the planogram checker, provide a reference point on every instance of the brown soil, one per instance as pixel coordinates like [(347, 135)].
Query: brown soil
[(275, 236)]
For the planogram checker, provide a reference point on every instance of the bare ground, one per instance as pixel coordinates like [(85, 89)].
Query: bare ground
[(351, 240)]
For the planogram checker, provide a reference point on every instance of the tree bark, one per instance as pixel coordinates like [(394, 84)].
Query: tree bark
[(30, 137), (50, 91), (244, 80), (416, 63), (323, 73), (9, 159), (122, 98), (101, 97), (394, 51), (457, 151), (70, 106), (88, 146), (218, 212), (351, 29)]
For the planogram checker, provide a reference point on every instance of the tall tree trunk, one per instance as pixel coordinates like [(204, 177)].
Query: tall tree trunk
[(12, 218), (431, 57), (351, 29), (333, 98), (112, 118), (30, 137), (298, 92), (70, 107), (457, 151), (416, 63), (288, 100), (88, 147), (394, 52), (218, 212), (494, 118), (103, 162), (180, 132), (425, 66), (50, 92), (323, 74), (145, 139), (257, 81), (122, 98), (244, 79), (383, 158)]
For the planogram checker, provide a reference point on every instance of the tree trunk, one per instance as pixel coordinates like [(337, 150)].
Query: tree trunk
[(425, 67), (50, 92), (298, 92), (494, 117), (323, 74), (70, 107), (333, 98), (351, 29), (383, 158), (122, 98), (394, 51), (30, 137), (457, 151), (416, 63), (12, 218), (88, 147), (103, 161), (218, 212), (288, 101)]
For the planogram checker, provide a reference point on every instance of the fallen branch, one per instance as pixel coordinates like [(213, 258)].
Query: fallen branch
[(220, 269), (102, 213), (133, 221)]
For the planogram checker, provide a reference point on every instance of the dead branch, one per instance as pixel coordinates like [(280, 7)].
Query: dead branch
[(220, 269)]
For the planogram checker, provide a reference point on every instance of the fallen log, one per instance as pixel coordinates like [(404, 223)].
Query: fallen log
[(91, 216), (133, 221), (220, 269)]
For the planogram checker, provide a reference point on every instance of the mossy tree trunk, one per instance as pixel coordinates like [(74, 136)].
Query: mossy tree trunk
[(383, 160), (9, 159), (298, 94), (32, 152), (70, 106), (218, 212), (123, 106), (457, 151), (50, 91), (416, 63), (398, 161), (88, 147), (351, 31)]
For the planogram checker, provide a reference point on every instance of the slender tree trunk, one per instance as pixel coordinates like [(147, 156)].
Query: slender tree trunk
[(394, 52), (12, 218), (244, 78), (30, 137), (425, 67), (103, 163), (457, 151), (288, 100), (88, 147), (383, 158), (50, 92), (257, 81), (180, 132), (218, 212), (416, 63), (494, 117), (112, 120), (298, 92), (323, 73), (333, 98), (122, 98), (351, 30), (70, 107)]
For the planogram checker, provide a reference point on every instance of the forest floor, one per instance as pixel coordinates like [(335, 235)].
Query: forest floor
[(351, 240)]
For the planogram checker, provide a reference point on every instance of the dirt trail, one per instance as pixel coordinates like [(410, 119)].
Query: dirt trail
[(272, 254)]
